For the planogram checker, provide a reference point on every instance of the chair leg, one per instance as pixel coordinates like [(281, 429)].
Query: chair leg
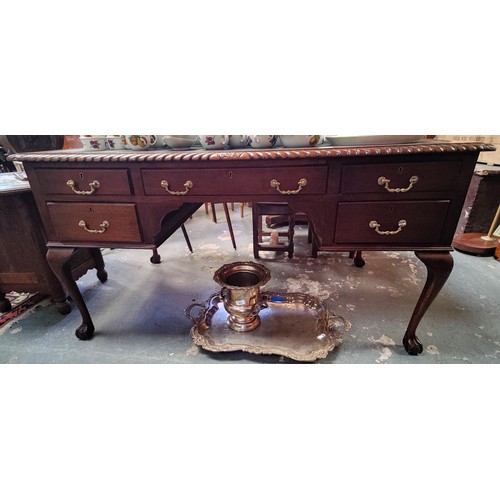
[(291, 233), (214, 214), (260, 236), (314, 248), (229, 225), (256, 219), (186, 237), (156, 257)]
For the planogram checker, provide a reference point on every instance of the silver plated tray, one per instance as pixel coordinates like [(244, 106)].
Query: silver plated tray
[(295, 325)]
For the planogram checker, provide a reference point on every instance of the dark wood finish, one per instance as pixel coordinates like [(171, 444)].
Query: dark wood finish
[(248, 181), (439, 266), (475, 244), (54, 181), (229, 224), (330, 199), (122, 219), (363, 178), (60, 261), (23, 266), (424, 222)]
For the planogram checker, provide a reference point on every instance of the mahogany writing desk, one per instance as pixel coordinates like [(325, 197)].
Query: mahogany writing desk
[(393, 197)]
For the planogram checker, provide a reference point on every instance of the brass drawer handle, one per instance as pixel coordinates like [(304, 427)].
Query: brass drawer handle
[(375, 225), (188, 185), (383, 181), (104, 226), (93, 186), (302, 182)]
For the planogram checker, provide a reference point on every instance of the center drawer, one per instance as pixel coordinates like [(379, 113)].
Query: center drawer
[(213, 181), (397, 223), (84, 182), (110, 222)]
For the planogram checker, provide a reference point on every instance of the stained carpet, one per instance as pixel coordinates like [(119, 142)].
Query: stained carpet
[(20, 302)]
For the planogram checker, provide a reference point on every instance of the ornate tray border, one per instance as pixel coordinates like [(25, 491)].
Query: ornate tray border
[(327, 324)]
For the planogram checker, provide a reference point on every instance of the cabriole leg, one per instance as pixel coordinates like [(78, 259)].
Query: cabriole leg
[(439, 266), (59, 260)]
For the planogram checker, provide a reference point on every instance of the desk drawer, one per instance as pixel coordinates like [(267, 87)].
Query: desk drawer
[(407, 178), (213, 181), (84, 182), (383, 222), (98, 222)]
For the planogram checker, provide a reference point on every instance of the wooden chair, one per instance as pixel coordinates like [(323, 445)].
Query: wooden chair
[(278, 215), (261, 209)]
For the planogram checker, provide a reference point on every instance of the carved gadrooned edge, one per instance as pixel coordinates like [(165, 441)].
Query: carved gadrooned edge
[(246, 154)]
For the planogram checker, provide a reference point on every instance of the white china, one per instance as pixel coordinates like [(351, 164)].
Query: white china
[(214, 141), (138, 142), (114, 142), (238, 141), (300, 141), (262, 141), (160, 142), (180, 141), (93, 142)]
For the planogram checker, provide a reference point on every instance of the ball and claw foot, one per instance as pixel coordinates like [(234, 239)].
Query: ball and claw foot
[(63, 306), (102, 276), (155, 259), (85, 331), (359, 261), (413, 346)]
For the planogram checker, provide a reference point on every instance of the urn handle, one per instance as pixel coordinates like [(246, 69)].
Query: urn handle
[(207, 311)]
